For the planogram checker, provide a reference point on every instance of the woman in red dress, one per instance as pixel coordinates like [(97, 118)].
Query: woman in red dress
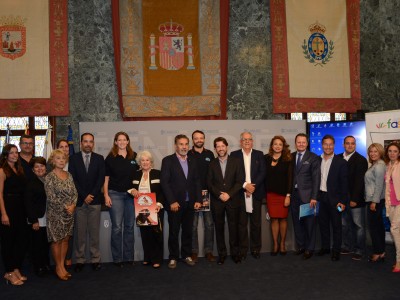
[(278, 182)]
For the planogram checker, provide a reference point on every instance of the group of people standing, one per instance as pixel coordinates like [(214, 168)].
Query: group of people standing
[(45, 204)]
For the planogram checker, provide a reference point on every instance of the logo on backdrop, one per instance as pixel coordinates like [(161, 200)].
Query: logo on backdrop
[(171, 48), (106, 223), (13, 37), (317, 50), (388, 124)]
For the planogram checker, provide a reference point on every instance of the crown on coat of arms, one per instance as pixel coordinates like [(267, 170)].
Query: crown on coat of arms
[(12, 21), (317, 28), (170, 28)]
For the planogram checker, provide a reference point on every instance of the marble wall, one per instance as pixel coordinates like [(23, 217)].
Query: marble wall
[(93, 93)]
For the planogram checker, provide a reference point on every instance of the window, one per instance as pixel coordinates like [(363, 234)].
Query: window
[(36, 126), (318, 117)]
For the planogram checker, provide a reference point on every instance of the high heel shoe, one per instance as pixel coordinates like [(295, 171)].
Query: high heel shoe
[(20, 276), (274, 253), (63, 278), (374, 258), (13, 279)]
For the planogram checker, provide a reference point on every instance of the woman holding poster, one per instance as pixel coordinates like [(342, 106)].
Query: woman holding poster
[(392, 196), (147, 180)]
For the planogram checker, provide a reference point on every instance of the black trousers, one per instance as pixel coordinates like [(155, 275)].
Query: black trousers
[(219, 209), (14, 238), (39, 248), (152, 241), (182, 219), (305, 228), (376, 227), (329, 215), (255, 228)]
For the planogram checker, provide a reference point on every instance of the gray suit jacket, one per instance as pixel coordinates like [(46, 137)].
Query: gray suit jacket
[(307, 176)]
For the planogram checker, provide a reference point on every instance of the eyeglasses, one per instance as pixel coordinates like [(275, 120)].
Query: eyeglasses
[(247, 140), (26, 143)]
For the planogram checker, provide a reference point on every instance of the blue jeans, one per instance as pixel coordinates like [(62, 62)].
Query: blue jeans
[(208, 232), (122, 211), (353, 224)]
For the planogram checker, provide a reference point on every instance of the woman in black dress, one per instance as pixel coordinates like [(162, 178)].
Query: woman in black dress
[(13, 217), (35, 205), (278, 181)]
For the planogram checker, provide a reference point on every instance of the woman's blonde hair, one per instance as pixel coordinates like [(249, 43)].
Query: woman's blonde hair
[(55, 153), (378, 147)]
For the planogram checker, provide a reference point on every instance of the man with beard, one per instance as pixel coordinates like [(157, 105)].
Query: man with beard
[(88, 170), (180, 182), (203, 158), (225, 179)]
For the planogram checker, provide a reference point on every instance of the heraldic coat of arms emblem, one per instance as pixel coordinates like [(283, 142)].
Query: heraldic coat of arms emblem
[(171, 48), (13, 37), (317, 49)]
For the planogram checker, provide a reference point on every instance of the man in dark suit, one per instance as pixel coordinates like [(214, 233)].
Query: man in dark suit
[(306, 181), (353, 219), (253, 191), (88, 170), (182, 191), (332, 198), (225, 180)]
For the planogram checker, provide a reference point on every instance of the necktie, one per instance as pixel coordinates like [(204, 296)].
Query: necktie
[(298, 160), (87, 162)]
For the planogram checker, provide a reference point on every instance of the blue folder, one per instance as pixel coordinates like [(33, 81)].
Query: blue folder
[(306, 210)]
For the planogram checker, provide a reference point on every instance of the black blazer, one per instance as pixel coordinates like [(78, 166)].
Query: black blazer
[(155, 183), (307, 176), (336, 182), (174, 183), (232, 182), (257, 170), (35, 199), (87, 183), (357, 165)]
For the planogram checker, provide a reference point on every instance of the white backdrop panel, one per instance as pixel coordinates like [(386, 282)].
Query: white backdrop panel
[(158, 138)]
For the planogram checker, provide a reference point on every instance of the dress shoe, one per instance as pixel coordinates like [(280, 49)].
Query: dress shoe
[(189, 261), (356, 257), (78, 267), (210, 257), (221, 260), (322, 252), (307, 255), (195, 257), (96, 266), (283, 253), (345, 251), (237, 259), (119, 264), (172, 264), (335, 256), (299, 251), (256, 254)]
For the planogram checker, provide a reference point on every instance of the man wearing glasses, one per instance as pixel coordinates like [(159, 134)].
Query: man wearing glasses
[(26, 143)]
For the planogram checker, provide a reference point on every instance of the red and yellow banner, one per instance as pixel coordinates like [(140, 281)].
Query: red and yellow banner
[(171, 58)]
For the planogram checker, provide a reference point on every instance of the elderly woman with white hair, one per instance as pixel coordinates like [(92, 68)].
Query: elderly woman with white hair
[(147, 180)]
